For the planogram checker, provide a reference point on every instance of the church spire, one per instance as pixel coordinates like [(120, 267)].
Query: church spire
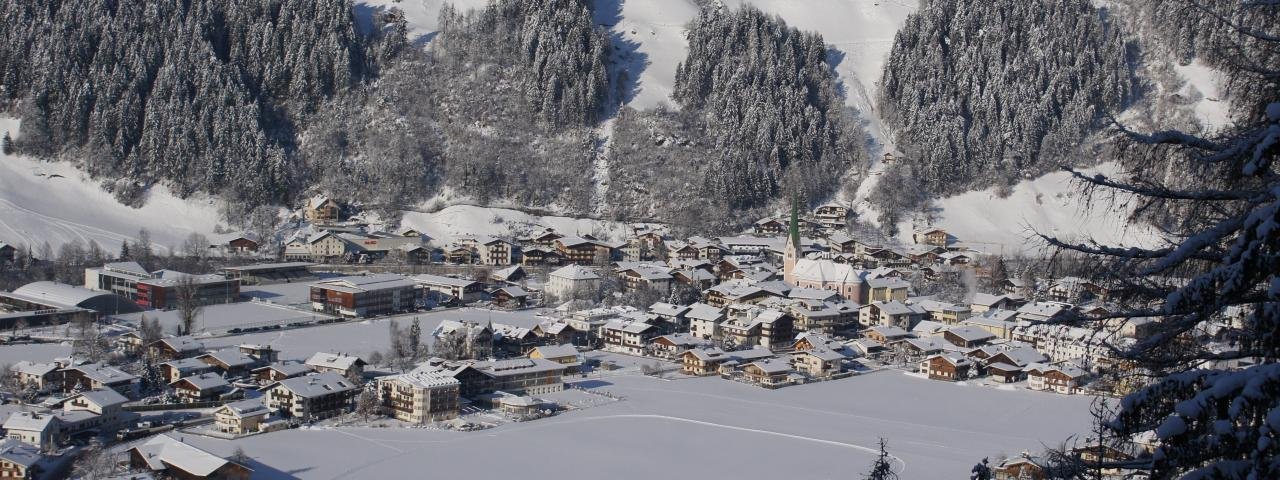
[(793, 231)]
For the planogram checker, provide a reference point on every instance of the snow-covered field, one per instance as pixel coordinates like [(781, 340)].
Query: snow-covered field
[(700, 428), (35, 352), (364, 337), (1052, 205), (219, 318), (54, 202)]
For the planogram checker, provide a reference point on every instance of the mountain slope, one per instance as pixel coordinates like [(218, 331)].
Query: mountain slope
[(52, 201)]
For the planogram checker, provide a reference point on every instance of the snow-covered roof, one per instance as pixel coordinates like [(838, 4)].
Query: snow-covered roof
[(1041, 309), (204, 381), (56, 294), (231, 357), (971, 333), (131, 268), (338, 361), (364, 283), (103, 373), (506, 273), (824, 271), (556, 351), (987, 299), (316, 385), (29, 421), (889, 331), (668, 309), (824, 354), (289, 369), (186, 364), (421, 378), (182, 344), (1023, 356), (428, 279), (27, 367), (14, 451), (103, 397), (161, 451), (246, 408), (772, 367), (702, 311), (575, 272), (517, 366)]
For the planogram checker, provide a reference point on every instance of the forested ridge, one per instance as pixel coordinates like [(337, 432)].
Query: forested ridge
[(983, 93), (203, 96), (770, 105)]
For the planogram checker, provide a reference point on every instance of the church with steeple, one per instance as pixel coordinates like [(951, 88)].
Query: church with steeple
[(791, 253), (819, 274)]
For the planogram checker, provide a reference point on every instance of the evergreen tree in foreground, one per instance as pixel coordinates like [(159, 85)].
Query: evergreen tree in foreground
[(1213, 406)]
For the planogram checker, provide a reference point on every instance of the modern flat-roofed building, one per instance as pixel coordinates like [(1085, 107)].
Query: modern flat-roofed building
[(267, 273), (159, 289), (364, 296), (162, 290), (464, 290)]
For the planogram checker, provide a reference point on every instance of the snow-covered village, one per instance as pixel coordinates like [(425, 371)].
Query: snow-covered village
[(636, 239)]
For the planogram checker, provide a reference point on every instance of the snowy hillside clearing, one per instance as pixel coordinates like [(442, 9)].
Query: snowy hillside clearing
[(1052, 205), (42, 201)]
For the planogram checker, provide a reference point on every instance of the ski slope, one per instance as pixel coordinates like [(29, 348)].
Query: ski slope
[(54, 202)]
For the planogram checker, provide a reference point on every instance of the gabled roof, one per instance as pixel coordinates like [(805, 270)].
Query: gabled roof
[(315, 385), (824, 354), (889, 331), (575, 272), (29, 421), (824, 271), (182, 344), (246, 408), (1021, 356), (231, 357), (103, 397), (702, 311), (426, 379), (971, 334), (31, 368), (103, 373), (772, 367), (668, 309), (288, 369), (987, 299), (203, 382), (163, 451), (556, 351), (339, 361), (14, 451)]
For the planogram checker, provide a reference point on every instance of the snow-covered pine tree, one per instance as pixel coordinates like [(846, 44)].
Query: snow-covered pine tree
[(1214, 404)]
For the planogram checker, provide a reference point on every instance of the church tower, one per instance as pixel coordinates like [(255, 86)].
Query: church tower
[(791, 253)]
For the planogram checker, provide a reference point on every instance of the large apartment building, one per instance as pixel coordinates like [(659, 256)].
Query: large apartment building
[(311, 397), (420, 396)]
